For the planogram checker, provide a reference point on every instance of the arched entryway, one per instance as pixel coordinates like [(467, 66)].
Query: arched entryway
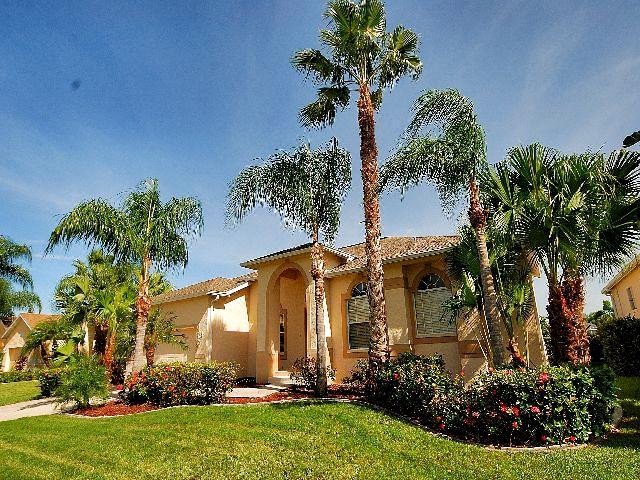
[(288, 321)]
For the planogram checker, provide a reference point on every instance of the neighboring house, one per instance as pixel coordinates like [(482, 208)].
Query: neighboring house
[(624, 290), (264, 320), (13, 339)]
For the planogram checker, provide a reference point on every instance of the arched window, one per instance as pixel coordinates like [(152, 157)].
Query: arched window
[(358, 329), (431, 318)]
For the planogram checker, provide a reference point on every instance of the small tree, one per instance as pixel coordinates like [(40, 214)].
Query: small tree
[(445, 145), (306, 188), (361, 55), (161, 329), (143, 230)]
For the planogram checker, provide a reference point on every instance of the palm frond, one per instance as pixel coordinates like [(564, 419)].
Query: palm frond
[(322, 111), (10, 254)]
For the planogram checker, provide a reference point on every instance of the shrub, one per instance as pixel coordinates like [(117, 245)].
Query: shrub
[(304, 374), (50, 381), (19, 375), (180, 384), (620, 339), (412, 385), (537, 406), (84, 379)]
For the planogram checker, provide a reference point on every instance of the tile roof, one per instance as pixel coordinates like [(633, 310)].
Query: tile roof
[(287, 252), (217, 285), (33, 319), (395, 248)]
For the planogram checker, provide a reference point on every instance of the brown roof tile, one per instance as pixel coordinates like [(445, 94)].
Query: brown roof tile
[(395, 248), (33, 319), (217, 284)]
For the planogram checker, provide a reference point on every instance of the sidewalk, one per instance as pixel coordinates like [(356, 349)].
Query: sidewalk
[(32, 408)]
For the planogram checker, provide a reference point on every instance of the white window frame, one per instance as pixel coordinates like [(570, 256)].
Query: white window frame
[(359, 299), (450, 330)]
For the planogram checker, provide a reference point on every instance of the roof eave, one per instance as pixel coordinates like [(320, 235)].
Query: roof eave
[(400, 258), (618, 277), (188, 296), (291, 253)]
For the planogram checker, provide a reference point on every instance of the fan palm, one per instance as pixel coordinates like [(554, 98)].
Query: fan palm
[(631, 140), (306, 188), (360, 54), (144, 231), (12, 273), (445, 145), (577, 215)]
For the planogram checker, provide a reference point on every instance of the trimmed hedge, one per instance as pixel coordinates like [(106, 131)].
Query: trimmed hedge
[(180, 384), (549, 405), (19, 375), (620, 340)]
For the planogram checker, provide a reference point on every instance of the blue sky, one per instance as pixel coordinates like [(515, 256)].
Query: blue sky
[(191, 92)]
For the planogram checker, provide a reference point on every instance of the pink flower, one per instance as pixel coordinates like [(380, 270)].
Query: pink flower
[(503, 408), (535, 409), (572, 439), (442, 426), (543, 438), (491, 370), (475, 414), (462, 372), (396, 376), (543, 377), (514, 425), (494, 392), (515, 411)]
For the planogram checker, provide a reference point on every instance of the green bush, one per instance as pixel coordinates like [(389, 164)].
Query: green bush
[(412, 385), (19, 375), (180, 384), (550, 405), (304, 373), (84, 379), (620, 339), (50, 380)]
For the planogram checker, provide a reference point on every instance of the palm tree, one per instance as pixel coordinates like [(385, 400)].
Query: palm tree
[(114, 307), (12, 273), (631, 140), (578, 215), (144, 231), (306, 188), (360, 55), (445, 145)]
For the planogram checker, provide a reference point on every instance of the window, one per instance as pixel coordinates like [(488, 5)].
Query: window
[(431, 318), (283, 334), (632, 303), (358, 318)]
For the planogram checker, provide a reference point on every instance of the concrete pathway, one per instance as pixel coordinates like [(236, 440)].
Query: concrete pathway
[(32, 408), (253, 392)]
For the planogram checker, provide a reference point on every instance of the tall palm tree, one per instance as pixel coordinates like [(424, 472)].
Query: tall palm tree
[(361, 55), (306, 188), (578, 215), (144, 231), (13, 273), (445, 145), (631, 140)]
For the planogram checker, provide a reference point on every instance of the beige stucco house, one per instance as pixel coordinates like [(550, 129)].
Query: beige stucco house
[(262, 320), (13, 339), (624, 290)]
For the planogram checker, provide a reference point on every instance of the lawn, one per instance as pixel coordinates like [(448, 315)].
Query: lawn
[(333, 441), (18, 392)]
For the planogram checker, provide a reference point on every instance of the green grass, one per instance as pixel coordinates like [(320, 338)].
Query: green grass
[(18, 392), (332, 441)]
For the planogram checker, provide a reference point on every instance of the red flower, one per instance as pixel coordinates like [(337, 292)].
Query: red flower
[(503, 408), (462, 372), (442, 426), (535, 409), (494, 392), (171, 388), (514, 424), (515, 411), (475, 414), (543, 438), (572, 439), (396, 376), (543, 377)]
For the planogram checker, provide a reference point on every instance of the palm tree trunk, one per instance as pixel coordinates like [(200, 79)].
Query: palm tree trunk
[(100, 340), (110, 350), (379, 343), (478, 219), (150, 354), (317, 273), (143, 305), (569, 338)]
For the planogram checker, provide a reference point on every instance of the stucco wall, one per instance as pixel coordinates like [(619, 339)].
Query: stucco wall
[(14, 343), (620, 298)]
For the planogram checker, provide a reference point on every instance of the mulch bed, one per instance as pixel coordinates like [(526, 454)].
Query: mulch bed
[(114, 409)]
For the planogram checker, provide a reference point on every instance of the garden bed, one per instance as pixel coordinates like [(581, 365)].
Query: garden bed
[(114, 409)]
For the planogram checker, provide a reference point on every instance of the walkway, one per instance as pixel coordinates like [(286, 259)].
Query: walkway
[(32, 408)]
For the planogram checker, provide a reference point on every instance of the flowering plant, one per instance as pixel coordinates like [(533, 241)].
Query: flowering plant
[(180, 384)]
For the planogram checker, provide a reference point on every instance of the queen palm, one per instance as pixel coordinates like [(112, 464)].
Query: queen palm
[(445, 145), (578, 215), (361, 56), (143, 230), (306, 188), (13, 273)]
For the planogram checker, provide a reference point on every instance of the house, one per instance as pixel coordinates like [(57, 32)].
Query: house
[(624, 290), (262, 319), (13, 339)]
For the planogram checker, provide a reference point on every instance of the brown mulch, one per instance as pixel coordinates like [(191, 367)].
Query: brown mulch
[(114, 409)]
